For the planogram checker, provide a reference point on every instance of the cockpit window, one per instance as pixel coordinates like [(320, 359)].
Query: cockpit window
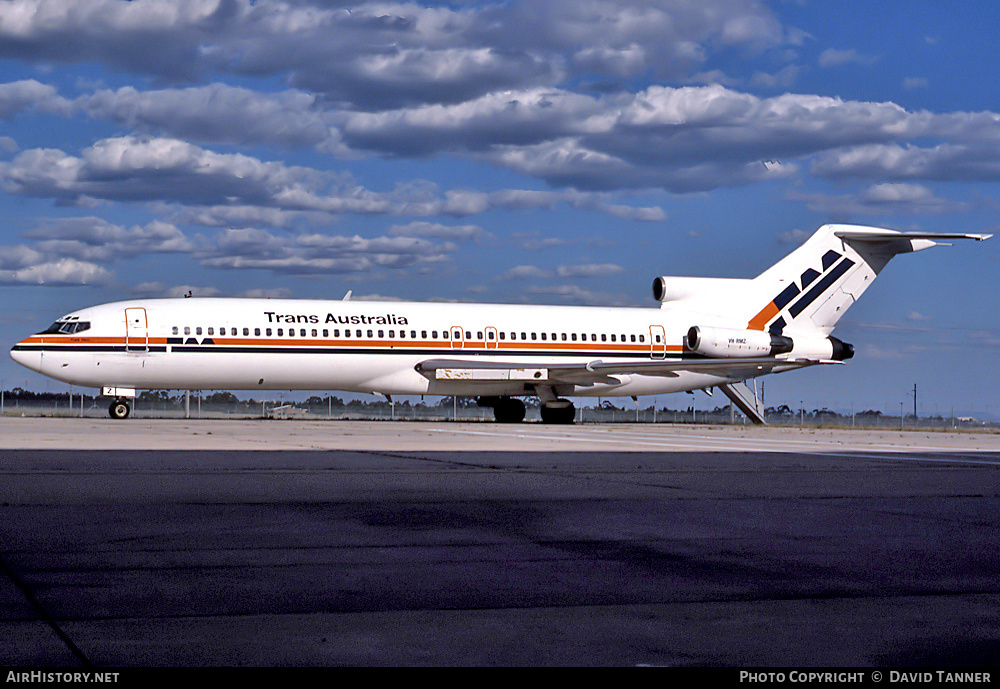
[(66, 328)]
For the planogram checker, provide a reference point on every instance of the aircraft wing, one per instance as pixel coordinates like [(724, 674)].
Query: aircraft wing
[(598, 371)]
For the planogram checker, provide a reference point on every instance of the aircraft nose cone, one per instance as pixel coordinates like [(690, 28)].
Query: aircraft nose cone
[(25, 357)]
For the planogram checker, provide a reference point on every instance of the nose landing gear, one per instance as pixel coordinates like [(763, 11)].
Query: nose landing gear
[(119, 409)]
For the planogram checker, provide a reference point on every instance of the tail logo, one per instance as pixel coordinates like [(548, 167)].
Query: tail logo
[(834, 266)]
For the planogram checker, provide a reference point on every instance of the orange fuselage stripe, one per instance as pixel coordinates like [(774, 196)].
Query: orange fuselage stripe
[(442, 345)]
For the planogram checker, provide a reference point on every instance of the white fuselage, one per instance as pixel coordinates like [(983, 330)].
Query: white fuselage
[(359, 346), (708, 332)]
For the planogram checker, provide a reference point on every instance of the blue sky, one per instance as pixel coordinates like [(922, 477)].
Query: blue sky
[(520, 152)]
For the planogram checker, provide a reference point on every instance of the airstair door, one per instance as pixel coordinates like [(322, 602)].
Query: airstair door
[(136, 330)]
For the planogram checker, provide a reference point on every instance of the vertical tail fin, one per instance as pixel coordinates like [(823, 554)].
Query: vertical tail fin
[(814, 285)]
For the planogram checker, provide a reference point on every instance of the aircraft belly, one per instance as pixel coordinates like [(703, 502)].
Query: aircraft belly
[(293, 371)]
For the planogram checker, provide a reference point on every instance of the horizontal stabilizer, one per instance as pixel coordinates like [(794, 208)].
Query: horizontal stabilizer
[(880, 235)]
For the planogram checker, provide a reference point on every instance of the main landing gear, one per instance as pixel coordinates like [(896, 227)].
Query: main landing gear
[(559, 411), (511, 410), (119, 409), (505, 409)]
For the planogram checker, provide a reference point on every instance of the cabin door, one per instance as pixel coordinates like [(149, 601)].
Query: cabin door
[(491, 338), (136, 330), (657, 342)]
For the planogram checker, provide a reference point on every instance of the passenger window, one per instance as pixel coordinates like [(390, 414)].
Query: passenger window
[(357, 333), (371, 334), (633, 338), (642, 338), (604, 338), (281, 332), (326, 333), (268, 331), (413, 334), (572, 337), (314, 333), (402, 334), (563, 337), (613, 338), (174, 330), (544, 335), (256, 331), (381, 333), (434, 334), (347, 333), (533, 338), (187, 330), (211, 331)]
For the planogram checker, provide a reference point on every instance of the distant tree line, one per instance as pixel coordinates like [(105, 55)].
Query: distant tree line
[(164, 398)]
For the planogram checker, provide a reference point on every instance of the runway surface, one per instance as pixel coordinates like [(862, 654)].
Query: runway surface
[(289, 543)]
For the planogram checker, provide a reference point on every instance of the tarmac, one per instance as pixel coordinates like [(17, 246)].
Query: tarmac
[(295, 543), (292, 434)]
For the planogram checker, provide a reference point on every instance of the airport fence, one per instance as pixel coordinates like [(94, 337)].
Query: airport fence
[(227, 406)]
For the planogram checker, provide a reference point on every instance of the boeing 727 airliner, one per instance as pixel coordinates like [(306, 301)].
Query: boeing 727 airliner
[(707, 333)]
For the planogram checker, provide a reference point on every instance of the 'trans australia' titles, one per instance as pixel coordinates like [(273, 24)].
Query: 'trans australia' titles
[(359, 319)]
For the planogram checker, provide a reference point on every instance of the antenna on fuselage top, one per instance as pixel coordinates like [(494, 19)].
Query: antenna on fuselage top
[(347, 297)]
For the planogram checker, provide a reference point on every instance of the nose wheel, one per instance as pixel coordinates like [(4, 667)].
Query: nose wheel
[(119, 409)]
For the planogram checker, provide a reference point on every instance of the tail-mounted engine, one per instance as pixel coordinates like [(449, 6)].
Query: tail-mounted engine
[(729, 343), (726, 343)]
